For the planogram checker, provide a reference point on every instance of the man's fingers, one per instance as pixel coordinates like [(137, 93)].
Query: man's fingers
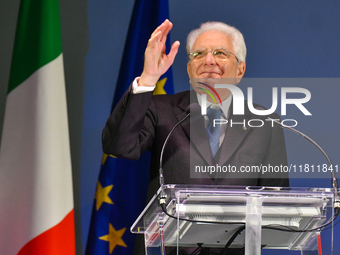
[(167, 27), (155, 38), (164, 28), (173, 52), (161, 27)]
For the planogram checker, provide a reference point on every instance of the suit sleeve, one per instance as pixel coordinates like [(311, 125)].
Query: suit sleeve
[(130, 129)]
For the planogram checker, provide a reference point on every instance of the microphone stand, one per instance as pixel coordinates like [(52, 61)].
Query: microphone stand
[(161, 176), (334, 180)]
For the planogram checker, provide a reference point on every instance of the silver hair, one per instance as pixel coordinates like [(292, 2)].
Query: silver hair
[(235, 35)]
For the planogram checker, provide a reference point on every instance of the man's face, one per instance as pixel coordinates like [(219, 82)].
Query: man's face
[(210, 67)]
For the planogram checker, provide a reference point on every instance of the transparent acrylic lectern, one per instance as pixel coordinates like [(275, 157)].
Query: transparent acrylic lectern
[(209, 217)]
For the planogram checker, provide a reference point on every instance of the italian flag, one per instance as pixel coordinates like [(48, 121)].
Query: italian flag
[(36, 197)]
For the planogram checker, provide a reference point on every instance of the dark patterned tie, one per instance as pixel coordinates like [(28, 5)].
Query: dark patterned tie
[(214, 132)]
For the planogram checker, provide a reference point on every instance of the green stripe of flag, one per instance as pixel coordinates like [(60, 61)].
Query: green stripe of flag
[(37, 40)]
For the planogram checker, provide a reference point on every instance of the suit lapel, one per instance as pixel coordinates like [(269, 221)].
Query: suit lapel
[(195, 130), (234, 136)]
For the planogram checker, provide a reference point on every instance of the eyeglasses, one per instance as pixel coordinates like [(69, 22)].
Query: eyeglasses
[(219, 54)]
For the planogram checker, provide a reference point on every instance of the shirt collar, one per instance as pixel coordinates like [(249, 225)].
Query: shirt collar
[(224, 107)]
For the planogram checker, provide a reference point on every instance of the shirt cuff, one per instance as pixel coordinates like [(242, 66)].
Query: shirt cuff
[(140, 89)]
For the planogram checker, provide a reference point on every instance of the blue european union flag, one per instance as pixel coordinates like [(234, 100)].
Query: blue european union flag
[(122, 184)]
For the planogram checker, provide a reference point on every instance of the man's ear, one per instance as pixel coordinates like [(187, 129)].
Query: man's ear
[(189, 69), (241, 69)]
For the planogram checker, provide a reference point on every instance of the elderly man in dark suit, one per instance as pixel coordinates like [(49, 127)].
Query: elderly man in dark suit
[(142, 121)]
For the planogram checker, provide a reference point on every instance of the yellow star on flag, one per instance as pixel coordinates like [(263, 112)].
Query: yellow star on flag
[(159, 90), (114, 237), (105, 157), (102, 195)]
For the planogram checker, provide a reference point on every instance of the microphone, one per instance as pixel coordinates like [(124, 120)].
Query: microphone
[(334, 180), (192, 108)]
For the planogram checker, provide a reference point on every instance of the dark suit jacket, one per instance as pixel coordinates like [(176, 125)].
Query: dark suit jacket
[(141, 122)]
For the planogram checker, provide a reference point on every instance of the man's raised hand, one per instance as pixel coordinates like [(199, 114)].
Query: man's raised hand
[(156, 62)]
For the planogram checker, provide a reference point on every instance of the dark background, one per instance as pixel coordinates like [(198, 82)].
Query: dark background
[(285, 39)]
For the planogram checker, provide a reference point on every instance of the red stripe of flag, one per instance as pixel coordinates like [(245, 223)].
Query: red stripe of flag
[(54, 241)]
